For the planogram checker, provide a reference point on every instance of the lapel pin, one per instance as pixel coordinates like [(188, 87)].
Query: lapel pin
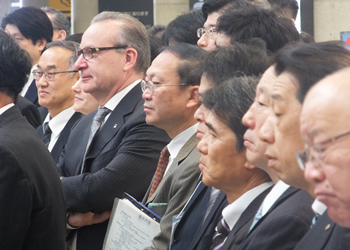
[(327, 227), (115, 125)]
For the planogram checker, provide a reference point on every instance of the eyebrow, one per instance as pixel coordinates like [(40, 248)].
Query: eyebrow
[(50, 66), (210, 127), (277, 97)]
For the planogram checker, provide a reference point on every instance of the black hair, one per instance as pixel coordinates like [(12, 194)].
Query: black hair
[(229, 102), (155, 34), (306, 38), (32, 22), (59, 20), (212, 6), (285, 8), (15, 66), (183, 29), (309, 63), (245, 24)]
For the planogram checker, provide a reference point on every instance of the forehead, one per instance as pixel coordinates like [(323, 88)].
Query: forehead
[(212, 20), (101, 34), (284, 87), (267, 81), (12, 30), (56, 56), (205, 84), (164, 65)]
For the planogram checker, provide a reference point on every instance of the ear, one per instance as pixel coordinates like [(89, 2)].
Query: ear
[(194, 97), (130, 58), (41, 44), (61, 35)]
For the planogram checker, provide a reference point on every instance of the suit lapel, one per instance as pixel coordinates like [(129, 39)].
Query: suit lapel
[(115, 122), (183, 153), (32, 92)]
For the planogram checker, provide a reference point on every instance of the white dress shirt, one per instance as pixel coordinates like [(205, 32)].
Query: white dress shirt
[(273, 196), (8, 106), (233, 211), (57, 124), (178, 142), (318, 207), (30, 79)]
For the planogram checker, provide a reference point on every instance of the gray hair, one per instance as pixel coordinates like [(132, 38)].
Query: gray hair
[(69, 45), (59, 20), (131, 33)]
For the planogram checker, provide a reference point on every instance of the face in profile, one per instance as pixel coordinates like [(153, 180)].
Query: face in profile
[(325, 127), (208, 41), (255, 118), (84, 103), (281, 131)]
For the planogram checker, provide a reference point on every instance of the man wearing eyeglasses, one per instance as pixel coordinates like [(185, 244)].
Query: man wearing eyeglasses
[(111, 150), (297, 68), (55, 76), (171, 99)]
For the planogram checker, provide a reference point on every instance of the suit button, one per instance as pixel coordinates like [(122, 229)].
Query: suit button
[(176, 240)]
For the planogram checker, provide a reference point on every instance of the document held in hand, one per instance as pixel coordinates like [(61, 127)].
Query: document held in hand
[(131, 226)]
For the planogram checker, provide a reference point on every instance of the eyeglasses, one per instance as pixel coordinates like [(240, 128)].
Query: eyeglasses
[(315, 153), (88, 53), (151, 86), (208, 32), (50, 76)]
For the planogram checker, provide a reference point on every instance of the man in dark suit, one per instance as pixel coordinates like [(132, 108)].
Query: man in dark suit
[(28, 110), (171, 99), (55, 76), (296, 70), (192, 231), (112, 150), (32, 29), (32, 203)]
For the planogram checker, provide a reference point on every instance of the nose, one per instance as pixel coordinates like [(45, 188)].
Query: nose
[(313, 172), (202, 146), (147, 95), (199, 114), (203, 41), (80, 63), (76, 87), (248, 119), (266, 133), (42, 82)]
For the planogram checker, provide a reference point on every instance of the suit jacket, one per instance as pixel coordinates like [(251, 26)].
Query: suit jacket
[(283, 226), (28, 110), (190, 233), (122, 158), (325, 235), (175, 189), (32, 205), (240, 230), (32, 94), (63, 138)]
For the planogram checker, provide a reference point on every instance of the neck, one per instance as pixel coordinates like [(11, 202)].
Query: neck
[(5, 100), (179, 128)]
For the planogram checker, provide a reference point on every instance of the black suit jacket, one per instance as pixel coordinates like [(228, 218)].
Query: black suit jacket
[(122, 158), (240, 230), (28, 110), (32, 94), (283, 226), (32, 205), (190, 233), (325, 235), (63, 138)]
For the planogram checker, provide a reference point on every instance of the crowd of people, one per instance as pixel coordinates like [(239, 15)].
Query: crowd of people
[(227, 123)]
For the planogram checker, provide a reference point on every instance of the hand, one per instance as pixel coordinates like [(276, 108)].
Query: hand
[(76, 219)]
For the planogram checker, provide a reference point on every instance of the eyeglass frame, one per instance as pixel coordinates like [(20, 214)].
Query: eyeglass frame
[(46, 74), (151, 87), (208, 32), (304, 156), (95, 50)]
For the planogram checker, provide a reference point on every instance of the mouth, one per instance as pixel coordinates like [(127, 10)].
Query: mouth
[(77, 99), (85, 78), (271, 160), (146, 108), (248, 143), (42, 93), (200, 134)]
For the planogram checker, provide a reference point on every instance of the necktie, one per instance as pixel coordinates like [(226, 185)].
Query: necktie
[(213, 196), (221, 232), (158, 176), (257, 217), (96, 126), (314, 220), (47, 134)]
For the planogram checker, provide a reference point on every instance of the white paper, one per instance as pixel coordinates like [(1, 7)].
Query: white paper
[(129, 228)]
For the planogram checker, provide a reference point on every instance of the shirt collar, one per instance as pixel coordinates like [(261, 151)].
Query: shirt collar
[(179, 141), (233, 211), (115, 100), (318, 207), (8, 106), (273, 196), (58, 123)]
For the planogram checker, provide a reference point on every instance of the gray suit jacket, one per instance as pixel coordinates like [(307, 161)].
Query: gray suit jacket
[(175, 189)]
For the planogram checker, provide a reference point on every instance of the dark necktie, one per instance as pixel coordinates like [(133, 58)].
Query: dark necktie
[(314, 220), (221, 232), (96, 126), (47, 134), (158, 176)]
